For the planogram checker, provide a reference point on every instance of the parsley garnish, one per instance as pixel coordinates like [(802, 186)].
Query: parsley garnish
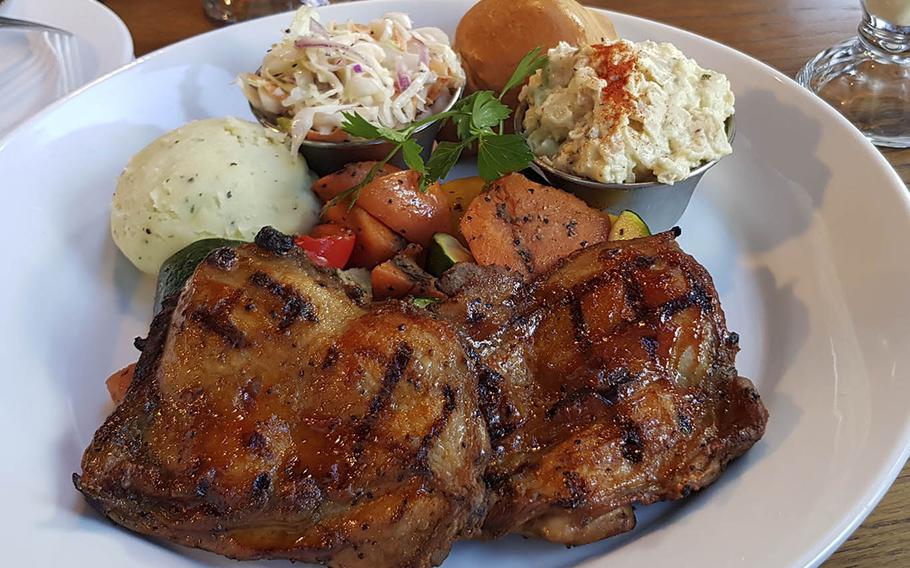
[(478, 119)]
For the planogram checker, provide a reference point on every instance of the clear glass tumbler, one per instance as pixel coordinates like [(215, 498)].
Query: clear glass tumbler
[(230, 11), (867, 78)]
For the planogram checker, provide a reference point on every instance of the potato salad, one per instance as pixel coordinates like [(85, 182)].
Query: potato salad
[(625, 112)]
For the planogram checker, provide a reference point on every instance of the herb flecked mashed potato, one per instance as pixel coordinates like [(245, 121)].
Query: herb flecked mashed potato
[(625, 112), (218, 177)]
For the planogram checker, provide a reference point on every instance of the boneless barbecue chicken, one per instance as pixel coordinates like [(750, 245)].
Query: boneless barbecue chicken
[(273, 414)]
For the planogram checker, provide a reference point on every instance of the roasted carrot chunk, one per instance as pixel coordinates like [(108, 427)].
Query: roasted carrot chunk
[(400, 277), (397, 201), (527, 227), (119, 382), (375, 243), (330, 186)]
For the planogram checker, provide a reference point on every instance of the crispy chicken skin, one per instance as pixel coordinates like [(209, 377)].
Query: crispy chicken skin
[(271, 416), (605, 382), (275, 414)]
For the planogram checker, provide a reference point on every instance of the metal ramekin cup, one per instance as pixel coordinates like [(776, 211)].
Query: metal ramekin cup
[(327, 157), (659, 204)]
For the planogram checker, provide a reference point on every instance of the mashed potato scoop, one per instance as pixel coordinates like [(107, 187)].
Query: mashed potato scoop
[(219, 177)]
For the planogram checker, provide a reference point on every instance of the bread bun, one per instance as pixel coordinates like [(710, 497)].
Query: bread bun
[(495, 34)]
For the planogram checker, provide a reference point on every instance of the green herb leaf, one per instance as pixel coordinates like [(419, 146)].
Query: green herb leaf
[(463, 126), (474, 117), (411, 152), (487, 111), (356, 125), (424, 302), (530, 63), (464, 105), (499, 154), (393, 135), (444, 157), (461, 116)]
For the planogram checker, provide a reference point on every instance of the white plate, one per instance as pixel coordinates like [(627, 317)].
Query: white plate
[(803, 229), (102, 44)]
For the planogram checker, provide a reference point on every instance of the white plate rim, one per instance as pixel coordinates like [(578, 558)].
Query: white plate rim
[(880, 483)]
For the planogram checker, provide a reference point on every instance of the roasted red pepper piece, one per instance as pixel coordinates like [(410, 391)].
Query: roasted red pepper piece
[(328, 245)]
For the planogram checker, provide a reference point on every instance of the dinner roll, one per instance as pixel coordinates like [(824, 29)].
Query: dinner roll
[(494, 35)]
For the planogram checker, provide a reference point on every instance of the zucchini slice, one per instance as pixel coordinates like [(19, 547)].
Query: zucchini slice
[(177, 269), (629, 226)]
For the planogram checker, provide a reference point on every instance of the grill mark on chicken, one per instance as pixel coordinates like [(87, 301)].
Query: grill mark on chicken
[(610, 381), (696, 296), (613, 380), (356, 293), (578, 491), (331, 357), (202, 487), (261, 485), (448, 406), (256, 442), (524, 253), (475, 311), (633, 448), (294, 307), (685, 423), (393, 373), (496, 410), (643, 262), (649, 343), (634, 297), (217, 321), (579, 325), (575, 398)]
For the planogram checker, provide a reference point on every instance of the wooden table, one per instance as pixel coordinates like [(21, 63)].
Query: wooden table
[(782, 33)]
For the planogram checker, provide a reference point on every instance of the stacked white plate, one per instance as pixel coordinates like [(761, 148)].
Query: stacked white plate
[(38, 68)]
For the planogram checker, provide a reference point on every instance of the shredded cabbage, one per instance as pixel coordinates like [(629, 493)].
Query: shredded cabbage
[(385, 71)]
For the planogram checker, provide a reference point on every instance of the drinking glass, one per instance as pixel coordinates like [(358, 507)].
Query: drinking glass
[(867, 78), (230, 11)]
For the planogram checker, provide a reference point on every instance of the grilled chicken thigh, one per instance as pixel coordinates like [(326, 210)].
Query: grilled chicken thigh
[(271, 416), (274, 414), (607, 381)]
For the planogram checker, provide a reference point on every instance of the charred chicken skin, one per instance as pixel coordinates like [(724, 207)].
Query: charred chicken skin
[(271, 416), (274, 414), (607, 381)]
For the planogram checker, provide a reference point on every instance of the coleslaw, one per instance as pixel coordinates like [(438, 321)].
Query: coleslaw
[(386, 71)]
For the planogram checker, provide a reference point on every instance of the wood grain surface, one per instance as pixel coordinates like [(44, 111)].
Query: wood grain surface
[(782, 33)]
